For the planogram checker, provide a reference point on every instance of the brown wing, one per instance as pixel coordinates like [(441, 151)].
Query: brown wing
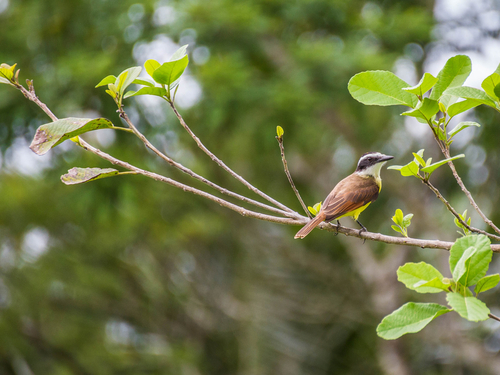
[(350, 194)]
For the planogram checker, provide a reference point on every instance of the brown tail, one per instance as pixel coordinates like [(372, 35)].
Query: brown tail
[(306, 229)]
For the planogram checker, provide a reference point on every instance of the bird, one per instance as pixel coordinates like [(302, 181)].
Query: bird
[(353, 194)]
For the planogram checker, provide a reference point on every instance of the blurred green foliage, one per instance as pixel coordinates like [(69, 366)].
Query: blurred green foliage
[(127, 276)]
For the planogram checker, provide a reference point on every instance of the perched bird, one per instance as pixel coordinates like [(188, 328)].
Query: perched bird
[(353, 194)]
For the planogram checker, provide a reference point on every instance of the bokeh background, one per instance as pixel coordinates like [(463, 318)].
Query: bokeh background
[(130, 276)]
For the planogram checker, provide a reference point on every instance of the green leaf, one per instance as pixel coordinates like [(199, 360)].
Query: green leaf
[(80, 175), (461, 126), (409, 318), (4, 80), (462, 106), (453, 74), (128, 94), (425, 84), (470, 93), (395, 167), (398, 217), (415, 275), (279, 131), (469, 308), (106, 81), (144, 81), (462, 289), (441, 134), (6, 73), (380, 88), (419, 159), (496, 90), (431, 168), (179, 53), (157, 91), (410, 169), (424, 110), (407, 220), (315, 209), (490, 83), (150, 66), (51, 134), (487, 283), (463, 265), (129, 75), (397, 229), (435, 283), (479, 261), (170, 71)]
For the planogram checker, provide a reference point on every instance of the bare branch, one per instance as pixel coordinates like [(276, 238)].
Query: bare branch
[(30, 94), (189, 172), (224, 166), (242, 211), (446, 152), (473, 203), (289, 176), (494, 317), (456, 214)]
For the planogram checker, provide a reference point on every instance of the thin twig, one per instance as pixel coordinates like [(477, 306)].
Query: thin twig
[(189, 172), (224, 166), (445, 149), (473, 203), (456, 214), (242, 211), (494, 317), (289, 176)]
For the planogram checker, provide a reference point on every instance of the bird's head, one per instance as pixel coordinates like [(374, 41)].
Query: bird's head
[(370, 163)]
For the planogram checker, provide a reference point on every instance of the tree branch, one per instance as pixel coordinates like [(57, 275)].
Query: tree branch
[(473, 203), (296, 220), (445, 149), (456, 214), (494, 317), (224, 166), (189, 172), (289, 176)]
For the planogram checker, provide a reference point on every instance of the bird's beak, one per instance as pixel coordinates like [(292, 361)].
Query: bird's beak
[(386, 157)]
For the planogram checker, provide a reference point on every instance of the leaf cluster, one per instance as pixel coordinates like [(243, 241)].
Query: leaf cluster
[(402, 222), (469, 261), (315, 209), (465, 219), (54, 133), (418, 164), (434, 100)]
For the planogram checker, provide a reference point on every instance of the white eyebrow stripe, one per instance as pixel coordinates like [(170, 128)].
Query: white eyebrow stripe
[(370, 155)]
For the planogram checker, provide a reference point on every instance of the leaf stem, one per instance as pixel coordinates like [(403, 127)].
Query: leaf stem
[(123, 129)]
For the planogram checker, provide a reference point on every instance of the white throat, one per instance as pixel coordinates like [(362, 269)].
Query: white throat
[(373, 171)]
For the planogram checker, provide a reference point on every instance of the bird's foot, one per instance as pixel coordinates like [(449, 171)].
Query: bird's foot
[(363, 229), (338, 226)]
